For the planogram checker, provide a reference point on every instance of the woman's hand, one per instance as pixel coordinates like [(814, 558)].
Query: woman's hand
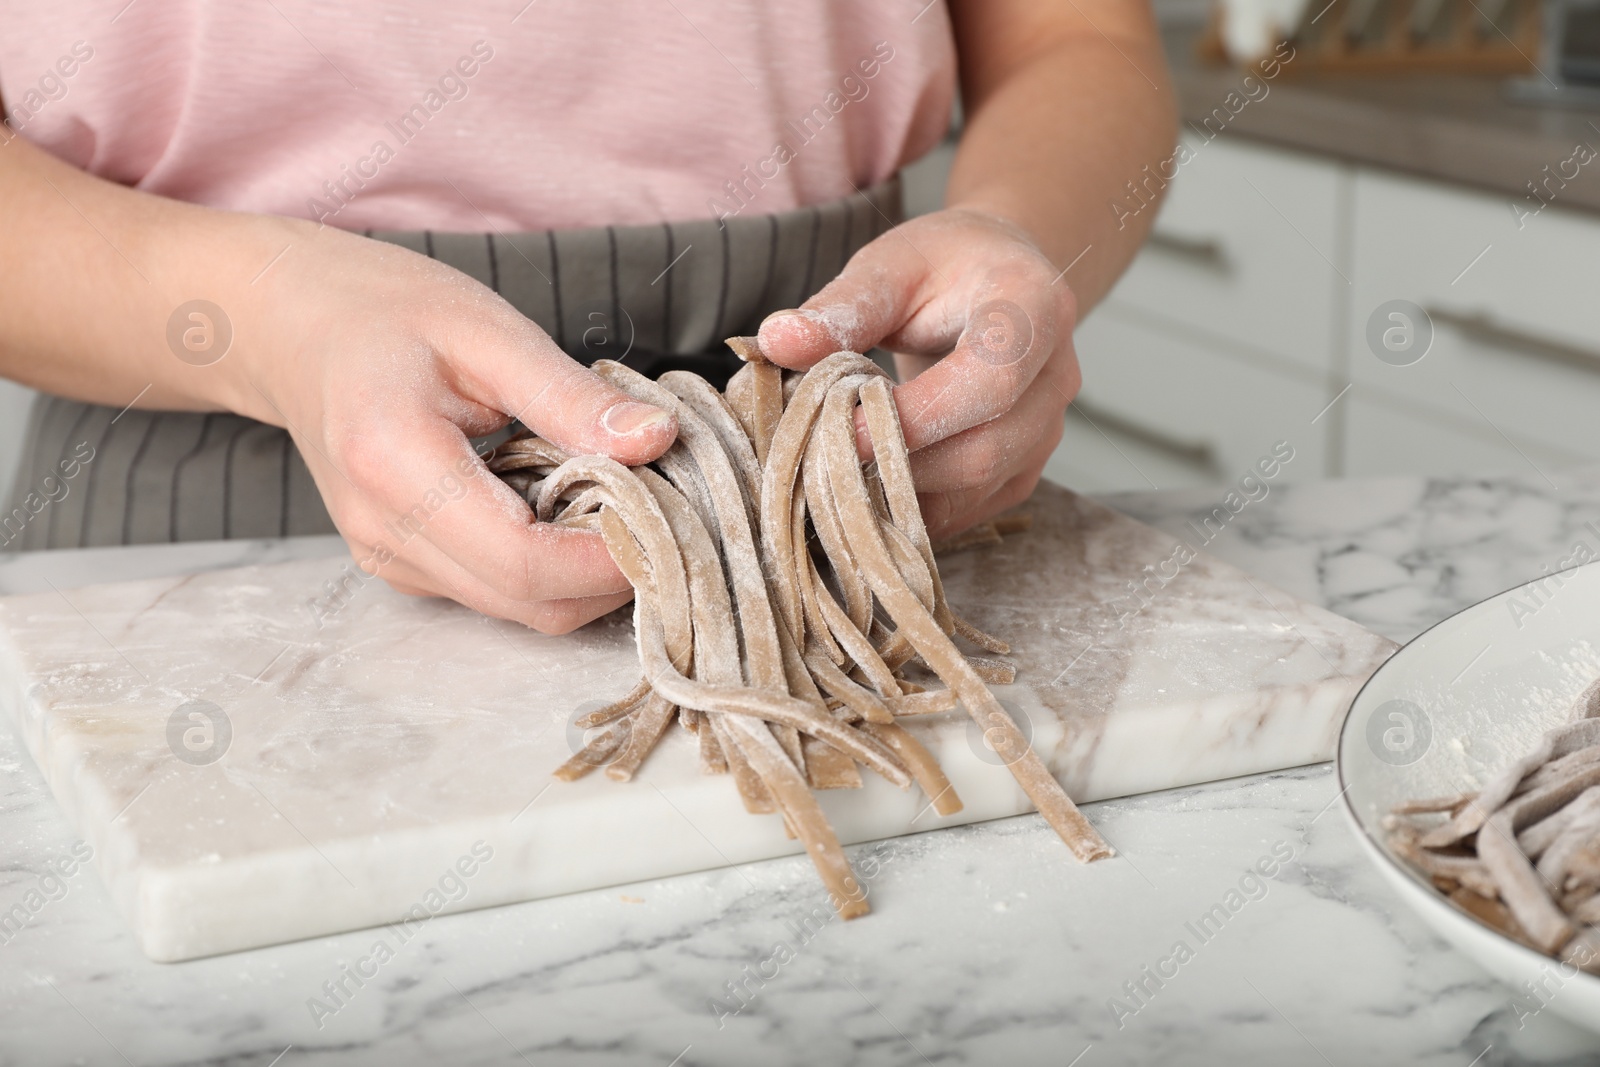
[(1065, 108), (382, 363), (379, 361), (981, 326)]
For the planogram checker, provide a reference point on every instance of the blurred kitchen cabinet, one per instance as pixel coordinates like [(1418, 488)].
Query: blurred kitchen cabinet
[(1270, 283), (1244, 250), (1207, 413), (1389, 435), (1222, 337), (1510, 300)]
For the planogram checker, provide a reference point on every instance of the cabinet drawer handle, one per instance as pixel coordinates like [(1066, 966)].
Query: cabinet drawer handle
[(1481, 326), (1197, 453), (1204, 252)]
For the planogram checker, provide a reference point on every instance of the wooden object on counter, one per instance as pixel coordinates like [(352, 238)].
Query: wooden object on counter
[(1387, 37)]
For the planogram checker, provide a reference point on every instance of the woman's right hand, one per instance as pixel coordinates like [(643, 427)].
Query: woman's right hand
[(380, 362)]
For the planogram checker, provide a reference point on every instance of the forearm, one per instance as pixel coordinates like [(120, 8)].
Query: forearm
[(1057, 124), (91, 272)]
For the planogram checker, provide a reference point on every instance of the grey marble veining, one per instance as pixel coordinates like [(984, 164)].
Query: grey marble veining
[(979, 953), (356, 758), (1397, 554)]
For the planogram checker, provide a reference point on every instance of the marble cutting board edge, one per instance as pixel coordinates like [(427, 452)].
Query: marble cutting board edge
[(372, 754)]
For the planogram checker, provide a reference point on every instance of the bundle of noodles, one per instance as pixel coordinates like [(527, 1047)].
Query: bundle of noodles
[(1522, 854), (787, 662)]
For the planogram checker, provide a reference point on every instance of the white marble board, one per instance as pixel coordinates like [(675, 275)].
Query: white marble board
[(385, 754)]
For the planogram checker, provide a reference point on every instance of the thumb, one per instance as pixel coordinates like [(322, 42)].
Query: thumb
[(533, 380), (869, 300)]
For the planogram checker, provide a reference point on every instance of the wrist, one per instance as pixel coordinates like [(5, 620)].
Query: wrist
[(997, 213), (226, 317)]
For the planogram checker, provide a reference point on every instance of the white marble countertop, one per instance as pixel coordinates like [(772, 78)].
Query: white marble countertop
[(986, 945)]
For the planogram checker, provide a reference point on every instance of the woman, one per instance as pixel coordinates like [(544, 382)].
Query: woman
[(379, 232)]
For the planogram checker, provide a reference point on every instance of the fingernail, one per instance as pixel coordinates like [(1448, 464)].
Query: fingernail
[(629, 417), (778, 318)]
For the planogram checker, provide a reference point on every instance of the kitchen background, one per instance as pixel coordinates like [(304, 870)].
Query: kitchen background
[(1309, 209), (1306, 203), (1324, 197)]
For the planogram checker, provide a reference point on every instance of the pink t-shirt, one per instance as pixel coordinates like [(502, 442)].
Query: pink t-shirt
[(472, 115)]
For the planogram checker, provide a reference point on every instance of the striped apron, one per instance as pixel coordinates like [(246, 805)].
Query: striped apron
[(662, 296)]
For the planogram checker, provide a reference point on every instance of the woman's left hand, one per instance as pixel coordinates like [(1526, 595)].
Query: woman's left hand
[(981, 326)]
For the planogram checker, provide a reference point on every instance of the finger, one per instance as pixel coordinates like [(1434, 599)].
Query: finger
[(878, 290), (439, 577), (435, 491), (564, 616), (411, 590), (954, 510), (907, 365), (516, 368), (950, 513), (991, 453), (1009, 335)]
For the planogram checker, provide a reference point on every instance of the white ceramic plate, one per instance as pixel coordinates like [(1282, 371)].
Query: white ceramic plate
[(1449, 710)]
